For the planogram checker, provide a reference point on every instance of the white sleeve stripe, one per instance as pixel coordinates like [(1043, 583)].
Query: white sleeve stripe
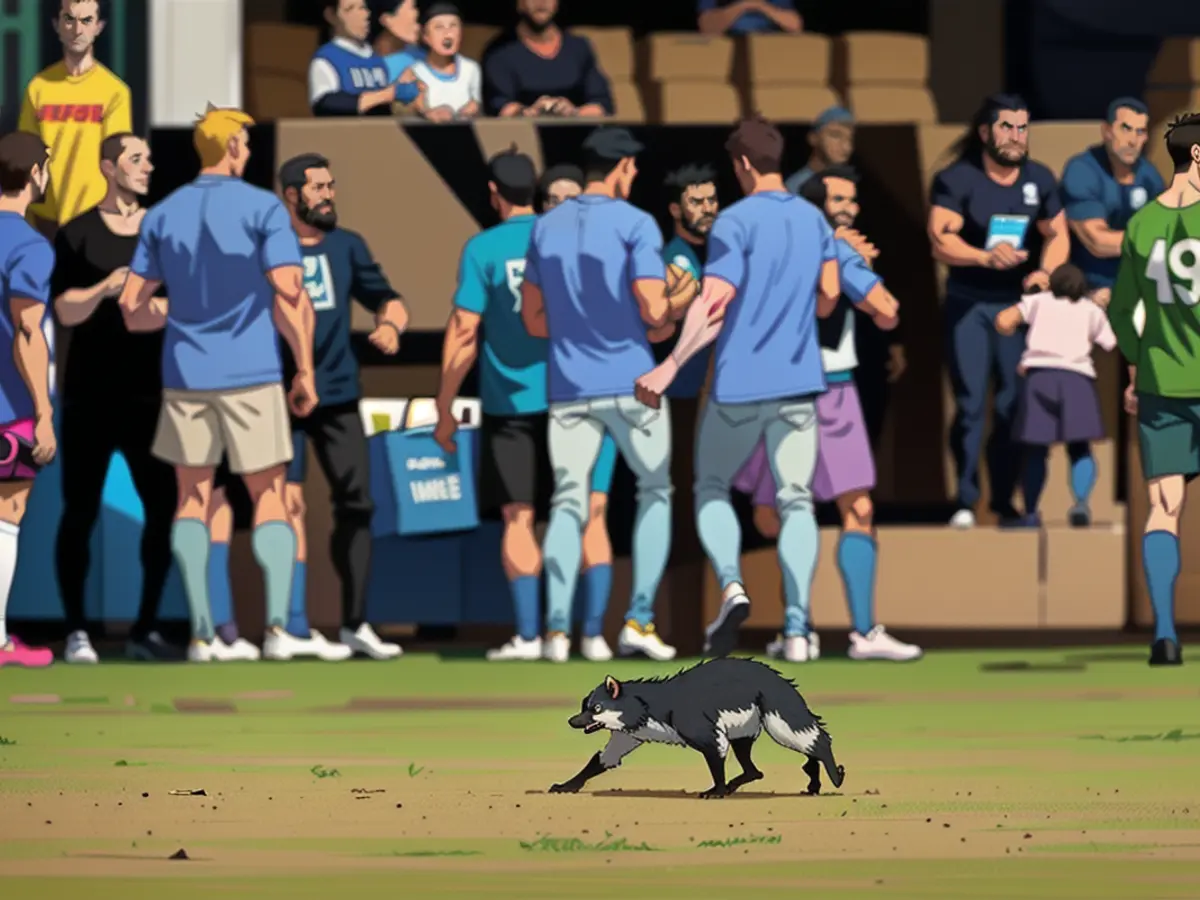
[(322, 79)]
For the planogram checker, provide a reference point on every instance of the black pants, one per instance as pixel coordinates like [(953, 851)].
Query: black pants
[(341, 447), (91, 434)]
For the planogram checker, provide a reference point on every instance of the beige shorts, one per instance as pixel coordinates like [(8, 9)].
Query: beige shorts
[(250, 425)]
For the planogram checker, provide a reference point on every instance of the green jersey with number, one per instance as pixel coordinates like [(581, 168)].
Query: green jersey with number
[(1160, 267)]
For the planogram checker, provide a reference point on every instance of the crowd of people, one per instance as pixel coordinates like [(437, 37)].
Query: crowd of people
[(221, 317)]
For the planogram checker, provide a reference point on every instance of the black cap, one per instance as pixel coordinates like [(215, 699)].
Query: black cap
[(438, 8), (614, 144)]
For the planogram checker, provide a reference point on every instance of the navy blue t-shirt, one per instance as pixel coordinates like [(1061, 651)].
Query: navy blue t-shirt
[(512, 73), (338, 268), (994, 213)]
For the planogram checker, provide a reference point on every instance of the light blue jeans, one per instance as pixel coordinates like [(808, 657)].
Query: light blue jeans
[(727, 436), (643, 436)]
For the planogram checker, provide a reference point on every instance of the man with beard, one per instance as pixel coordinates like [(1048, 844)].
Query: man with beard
[(557, 184), (346, 76), (845, 472), (595, 284), (832, 141), (982, 206), (542, 70), (112, 390), (27, 441)]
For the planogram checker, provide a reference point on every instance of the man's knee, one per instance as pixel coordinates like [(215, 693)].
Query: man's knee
[(519, 516), (353, 502), (1167, 495), (597, 507), (766, 521), (571, 497), (858, 512)]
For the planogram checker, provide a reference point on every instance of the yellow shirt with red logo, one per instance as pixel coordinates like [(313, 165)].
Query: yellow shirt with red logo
[(73, 114)]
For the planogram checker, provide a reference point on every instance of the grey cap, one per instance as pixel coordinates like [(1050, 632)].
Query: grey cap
[(834, 114), (614, 144)]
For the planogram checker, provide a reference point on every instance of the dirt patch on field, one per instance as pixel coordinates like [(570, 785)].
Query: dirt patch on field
[(434, 704)]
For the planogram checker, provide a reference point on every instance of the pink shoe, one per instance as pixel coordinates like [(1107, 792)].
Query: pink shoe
[(19, 654)]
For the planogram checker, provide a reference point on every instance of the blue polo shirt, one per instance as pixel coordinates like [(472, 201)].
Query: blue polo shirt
[(26, 263), (1090, 191)]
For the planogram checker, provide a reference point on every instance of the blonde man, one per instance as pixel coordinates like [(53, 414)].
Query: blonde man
[(73, 106), (227, 256)]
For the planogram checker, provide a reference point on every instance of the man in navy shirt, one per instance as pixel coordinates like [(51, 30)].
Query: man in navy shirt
[(772, 270), (747, 16), (594, 284), (541, 70), (1103, 187), (346, 77), (997, 222)]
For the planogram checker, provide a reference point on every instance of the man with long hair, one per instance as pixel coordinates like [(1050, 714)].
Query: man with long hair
[(996, 220)]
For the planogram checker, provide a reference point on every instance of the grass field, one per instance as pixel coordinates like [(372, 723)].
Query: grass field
[(1024, 774)]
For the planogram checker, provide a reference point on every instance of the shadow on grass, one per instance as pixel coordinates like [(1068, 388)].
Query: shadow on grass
[(1021, 665), (686, 795), (1174, 736)]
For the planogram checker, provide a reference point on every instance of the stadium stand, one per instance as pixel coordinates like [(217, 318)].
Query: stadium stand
[(475, 40), (277, 58), (885, 77), (787, 75), (614, 50), (688, 79), (1172, 89)]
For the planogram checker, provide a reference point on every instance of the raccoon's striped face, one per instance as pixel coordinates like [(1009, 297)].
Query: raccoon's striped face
[(597, 712)]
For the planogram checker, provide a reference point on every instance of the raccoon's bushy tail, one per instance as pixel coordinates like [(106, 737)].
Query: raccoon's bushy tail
[(790, 723)]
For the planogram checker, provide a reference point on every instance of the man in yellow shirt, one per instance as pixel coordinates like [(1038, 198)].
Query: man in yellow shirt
[(73, 106)]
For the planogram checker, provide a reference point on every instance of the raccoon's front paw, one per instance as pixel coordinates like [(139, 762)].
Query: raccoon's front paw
[(714, 793), (566, 788)]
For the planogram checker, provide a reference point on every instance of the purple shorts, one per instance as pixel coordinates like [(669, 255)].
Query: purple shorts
[(844, 462), (16, 451), (1059, 406)]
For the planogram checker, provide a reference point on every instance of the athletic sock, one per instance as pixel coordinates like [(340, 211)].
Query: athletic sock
[(191, 546), (297, 624), (220, 590), (856, 556), (526, 600), (274, 545), (597, 585), (1083, 478), (1160, 559), (9, 537)]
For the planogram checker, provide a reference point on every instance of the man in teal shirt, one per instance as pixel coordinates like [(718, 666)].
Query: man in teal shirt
[(693, 193)]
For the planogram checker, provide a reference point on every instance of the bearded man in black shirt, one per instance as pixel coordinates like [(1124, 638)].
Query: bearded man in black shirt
[(110, 398)]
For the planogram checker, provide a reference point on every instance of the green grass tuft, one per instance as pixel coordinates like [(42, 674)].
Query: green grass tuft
[(607, 844)]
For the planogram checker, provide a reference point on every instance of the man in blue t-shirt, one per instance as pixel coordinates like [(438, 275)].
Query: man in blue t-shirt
[(693, 207), (771, 271), (228, 259), (996, 220), (338, 266), (346, 77), (27, 440), (515, 477), (1103, 187), (594, 284), (747, 16)]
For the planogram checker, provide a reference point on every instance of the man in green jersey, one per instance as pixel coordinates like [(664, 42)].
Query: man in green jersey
[(1160, 271)]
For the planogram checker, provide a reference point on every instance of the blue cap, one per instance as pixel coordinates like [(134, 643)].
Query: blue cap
[(834, 114)]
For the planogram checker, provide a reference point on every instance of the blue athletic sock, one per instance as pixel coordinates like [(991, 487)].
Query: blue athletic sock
[(526, 600), (220, 591), (190, 545), (274, 545), (1160, 559), (1033, 477), (1083, 477), (597, 585), (798, 544), (856, 555), (297, 624)]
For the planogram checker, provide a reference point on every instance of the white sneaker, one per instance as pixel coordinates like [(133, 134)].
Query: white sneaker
[(367, 642), (320, 647), (556, 647), (963, 520), (878, 644), (240, 650), (200, 652), (80, 649), (796, 649), (720, 637), (635, 639), (517, 649), (279, 646), (595, 649)]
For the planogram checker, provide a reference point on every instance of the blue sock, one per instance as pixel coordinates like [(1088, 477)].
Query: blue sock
[(191, 546), (597, 585), (274, 545), (856, 555), (1160, 559), (297, 625), (1083, 474), (525, 605), (220, 591)]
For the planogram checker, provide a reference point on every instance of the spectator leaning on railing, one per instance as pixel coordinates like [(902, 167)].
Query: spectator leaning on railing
[(346, 77), (747, 16), (452, 83), (541, 70)]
